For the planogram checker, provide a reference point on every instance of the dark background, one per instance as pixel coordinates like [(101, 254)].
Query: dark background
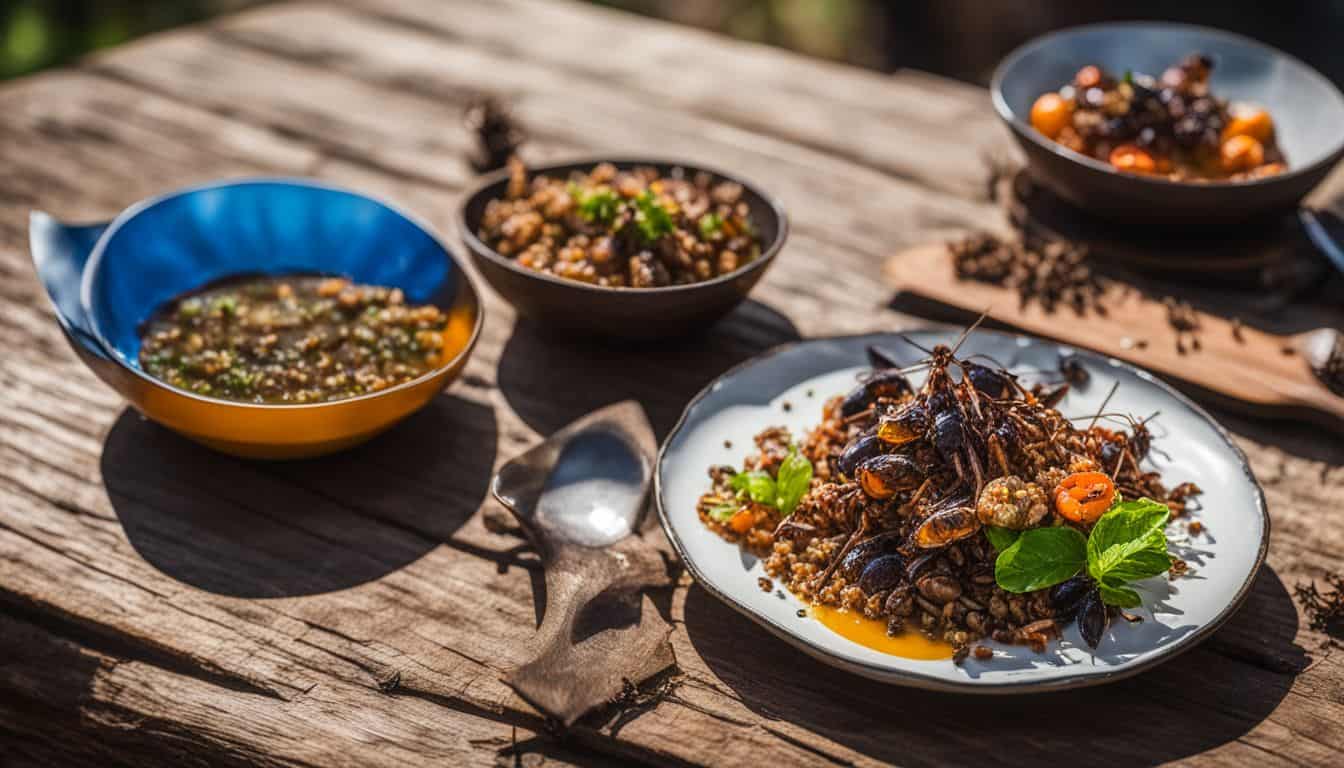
[(958, 38)]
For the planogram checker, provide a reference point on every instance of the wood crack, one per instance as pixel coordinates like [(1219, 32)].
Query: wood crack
[(122, 647)]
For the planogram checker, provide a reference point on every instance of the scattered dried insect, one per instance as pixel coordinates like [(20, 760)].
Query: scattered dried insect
[(1053, 274), (497, 133), (1324, 610)]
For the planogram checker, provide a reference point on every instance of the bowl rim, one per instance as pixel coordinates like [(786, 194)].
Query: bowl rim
[(1024, 129), (920, 680), (121, 219), (479, 248)]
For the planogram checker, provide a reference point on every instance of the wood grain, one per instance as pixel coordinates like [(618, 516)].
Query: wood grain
[(164, 605), (1216, 358)]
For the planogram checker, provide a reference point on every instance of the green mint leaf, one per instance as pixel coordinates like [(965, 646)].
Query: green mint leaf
[(1040, 558), (1124, 597), (651, 218), (710, 225), (1144, 563), (757, 485), (1129, 542), (723, 512), (793, 481), (1001, 538)]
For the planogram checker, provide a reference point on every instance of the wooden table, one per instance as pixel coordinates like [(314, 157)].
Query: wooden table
[(160, 604)]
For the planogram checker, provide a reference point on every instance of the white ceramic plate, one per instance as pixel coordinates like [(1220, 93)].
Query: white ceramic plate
[(1188, 445)]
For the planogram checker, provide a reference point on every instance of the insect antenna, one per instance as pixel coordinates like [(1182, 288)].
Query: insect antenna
[(916, 345), (1104, 403), (968, 330)]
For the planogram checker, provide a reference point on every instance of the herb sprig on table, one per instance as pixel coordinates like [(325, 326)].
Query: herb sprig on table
[(1127, 544), (783, 491)]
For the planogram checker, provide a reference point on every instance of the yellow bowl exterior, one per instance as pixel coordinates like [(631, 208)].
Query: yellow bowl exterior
[(291, 431)]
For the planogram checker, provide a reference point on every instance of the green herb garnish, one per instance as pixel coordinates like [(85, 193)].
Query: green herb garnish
[(724, 512), (226, 305), (757, 485), (1001, 538), (795, 477), (1128, 544), (651, 217), (782, 492), (596, 205), (1040, 558), (711, 225)]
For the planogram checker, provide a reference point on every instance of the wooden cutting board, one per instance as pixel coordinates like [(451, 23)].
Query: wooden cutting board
[(1260, 372)]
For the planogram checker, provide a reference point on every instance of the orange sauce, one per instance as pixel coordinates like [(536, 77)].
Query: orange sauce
[(872, 633)]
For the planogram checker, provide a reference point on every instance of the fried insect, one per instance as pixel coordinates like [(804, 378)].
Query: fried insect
[(882, 477), (885, 383), (895, 530)]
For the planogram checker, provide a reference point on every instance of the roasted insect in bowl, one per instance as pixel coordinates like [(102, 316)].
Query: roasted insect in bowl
[(962, 509), (1172, 126), (622, 228)]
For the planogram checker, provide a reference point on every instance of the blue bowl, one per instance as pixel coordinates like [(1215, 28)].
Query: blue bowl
[(105, 280), (1308, 113)]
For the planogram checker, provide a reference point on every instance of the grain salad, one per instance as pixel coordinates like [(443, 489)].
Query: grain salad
[(965, 509), (293, 339), (618, 228)]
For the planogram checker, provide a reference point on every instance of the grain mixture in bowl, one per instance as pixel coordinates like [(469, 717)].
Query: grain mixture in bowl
[(622, 229), (292, 339), (968, 508)]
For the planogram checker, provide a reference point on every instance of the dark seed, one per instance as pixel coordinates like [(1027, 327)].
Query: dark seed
[(1074, 371), (1065, 596), (1092, 618)]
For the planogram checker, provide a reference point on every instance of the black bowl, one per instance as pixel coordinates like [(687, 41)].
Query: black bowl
[(632, 313), (1307, 111)]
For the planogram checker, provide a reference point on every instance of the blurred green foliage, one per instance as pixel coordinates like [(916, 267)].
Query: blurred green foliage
[(42, 33), (959, 38)]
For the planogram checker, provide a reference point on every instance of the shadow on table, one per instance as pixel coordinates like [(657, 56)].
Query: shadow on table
[(550, 380), (1189, 705), (279, 529)]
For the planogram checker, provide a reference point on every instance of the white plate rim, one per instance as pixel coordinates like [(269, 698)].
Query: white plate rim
[(913, 679)]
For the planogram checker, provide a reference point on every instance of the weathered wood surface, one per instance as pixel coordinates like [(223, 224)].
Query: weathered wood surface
[(160, 604)]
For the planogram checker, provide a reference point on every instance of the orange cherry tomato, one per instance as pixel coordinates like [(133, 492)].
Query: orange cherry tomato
[(1255, 123), (1132, 159), (1051, 114), (742, 521), (1088, 77), (1241, 153), (1084, 496)]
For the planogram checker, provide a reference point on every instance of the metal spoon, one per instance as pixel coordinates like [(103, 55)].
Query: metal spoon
[(580, 496)]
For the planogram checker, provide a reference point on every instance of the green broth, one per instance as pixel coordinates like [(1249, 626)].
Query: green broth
[(293, 339)]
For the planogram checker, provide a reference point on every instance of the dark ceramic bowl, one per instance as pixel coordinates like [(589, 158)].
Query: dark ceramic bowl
[(1307, 111), (632, 313)]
